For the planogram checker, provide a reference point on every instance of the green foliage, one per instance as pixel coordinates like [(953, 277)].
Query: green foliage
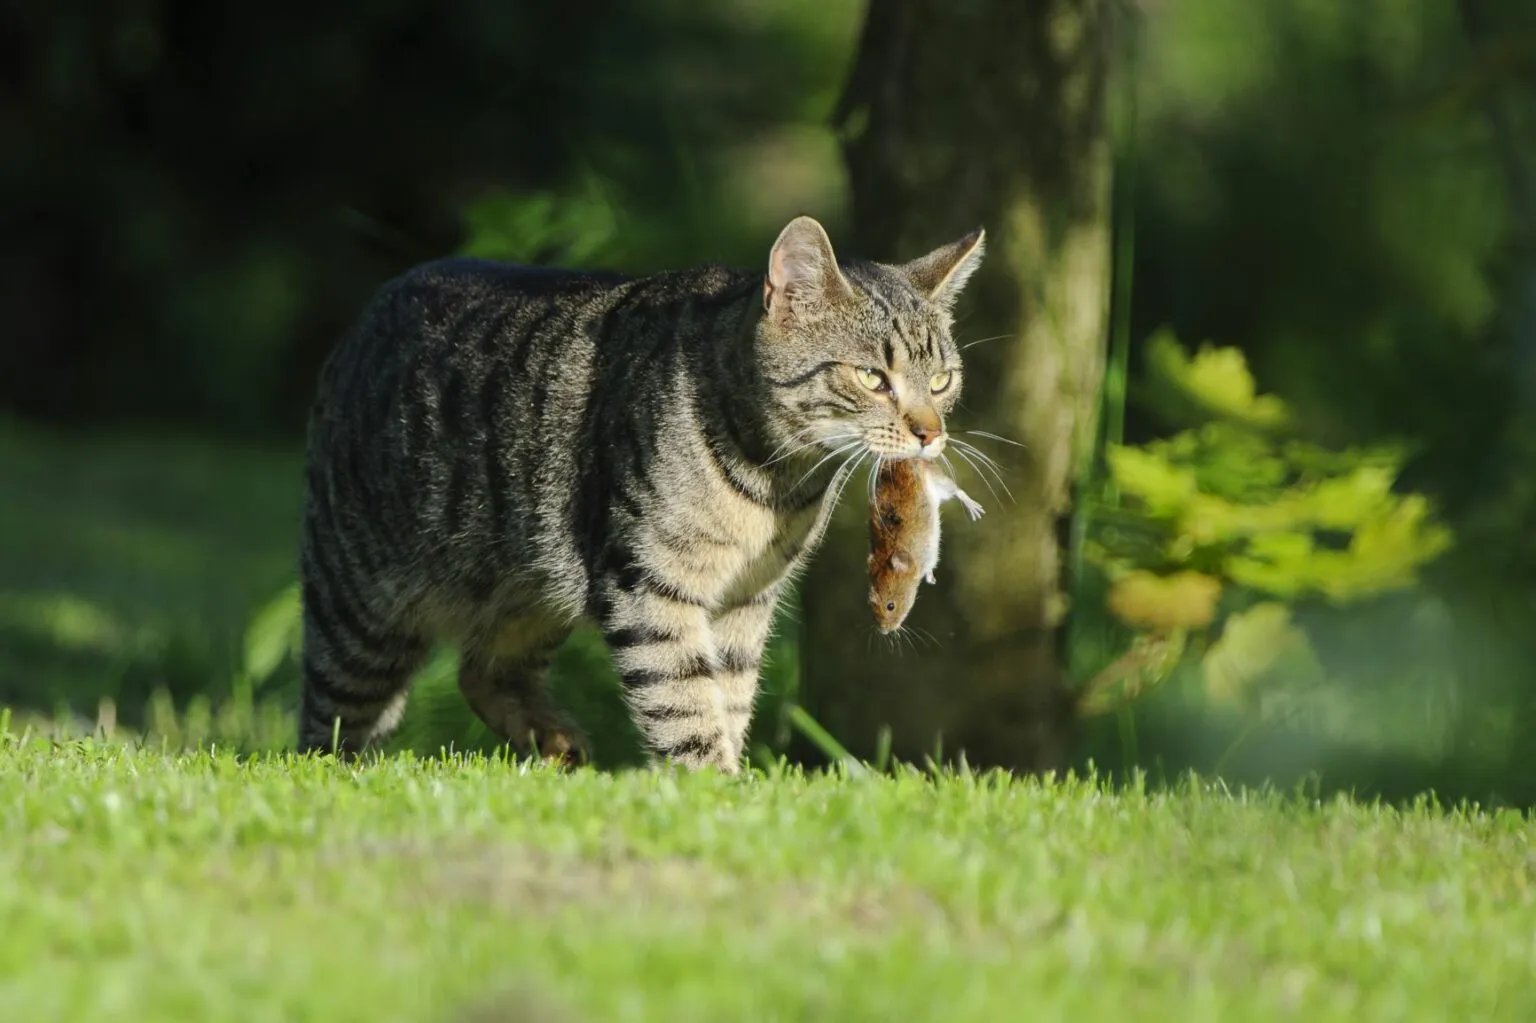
[(272, 637), (1232, 508), (1214, 383), (197, 268), (1256, 645), (578, 229)]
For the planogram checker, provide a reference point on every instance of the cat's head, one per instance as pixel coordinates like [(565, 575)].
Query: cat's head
[(860, 358)]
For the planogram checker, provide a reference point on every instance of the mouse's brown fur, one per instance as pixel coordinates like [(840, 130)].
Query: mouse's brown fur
[(904, 535)]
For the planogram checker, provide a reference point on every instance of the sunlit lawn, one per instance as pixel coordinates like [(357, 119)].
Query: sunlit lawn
[(141, 885), (141, 882)]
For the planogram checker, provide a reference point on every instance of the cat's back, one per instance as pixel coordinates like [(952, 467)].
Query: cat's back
[(469, 302), (477, 306), (442, 326), (473, 403)]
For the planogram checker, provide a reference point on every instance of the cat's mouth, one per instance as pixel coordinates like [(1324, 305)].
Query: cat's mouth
[(925, 452)]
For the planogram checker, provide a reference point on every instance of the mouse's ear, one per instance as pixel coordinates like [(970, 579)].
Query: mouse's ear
[(902, 562)]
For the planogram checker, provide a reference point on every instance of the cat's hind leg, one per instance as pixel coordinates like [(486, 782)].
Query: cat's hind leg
[(503, 675), (356, 666)]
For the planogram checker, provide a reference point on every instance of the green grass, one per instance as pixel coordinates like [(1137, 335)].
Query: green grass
[(130, 565), (145, 885), (142, 881)]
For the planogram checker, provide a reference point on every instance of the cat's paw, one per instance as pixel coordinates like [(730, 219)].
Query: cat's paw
[(564, 745), (717, 755)]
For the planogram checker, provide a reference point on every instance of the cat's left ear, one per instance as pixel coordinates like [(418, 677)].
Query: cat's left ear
[(940, 275)]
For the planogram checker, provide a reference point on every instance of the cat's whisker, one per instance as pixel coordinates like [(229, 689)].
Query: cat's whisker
[(987, 465), (971, 451), (790, 440), (841, 477), (976, 469), (844, 449), (874, 477), (987, 472), (791, 444), (809, 445), (992, 436), (984, 340)]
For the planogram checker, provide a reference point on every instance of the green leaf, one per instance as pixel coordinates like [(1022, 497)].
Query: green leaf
[(1345, 502), (1216, 381), (273, 635), (1259, 648), (1163, 487), (1184, 600)]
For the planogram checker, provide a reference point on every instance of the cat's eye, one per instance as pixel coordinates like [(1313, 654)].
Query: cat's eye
[(873, 379), (941, 381)]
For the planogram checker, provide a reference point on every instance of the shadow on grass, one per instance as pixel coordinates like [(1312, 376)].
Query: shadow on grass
[(128, 566)]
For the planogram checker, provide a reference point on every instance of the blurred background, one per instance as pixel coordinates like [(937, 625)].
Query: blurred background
[(1254, 363)]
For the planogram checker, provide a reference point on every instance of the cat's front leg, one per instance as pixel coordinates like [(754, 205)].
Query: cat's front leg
[(741, 635), (663, 649)]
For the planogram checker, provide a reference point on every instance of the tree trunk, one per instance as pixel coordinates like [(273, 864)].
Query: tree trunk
[(961, 113)]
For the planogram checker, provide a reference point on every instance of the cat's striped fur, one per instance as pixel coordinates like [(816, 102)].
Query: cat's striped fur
[(498, 451)]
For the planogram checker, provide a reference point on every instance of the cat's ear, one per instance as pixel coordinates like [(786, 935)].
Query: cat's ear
[(803, 278), (940, 275)]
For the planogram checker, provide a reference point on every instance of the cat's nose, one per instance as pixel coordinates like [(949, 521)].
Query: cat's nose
[(926, 433), (925, 424)]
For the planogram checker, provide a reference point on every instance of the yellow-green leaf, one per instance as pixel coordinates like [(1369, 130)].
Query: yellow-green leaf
[(1259, 648), (1216, 378), (1184, 600), (1162, 486)]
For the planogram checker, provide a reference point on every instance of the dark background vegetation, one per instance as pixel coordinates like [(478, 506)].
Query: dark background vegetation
[(196, 197)]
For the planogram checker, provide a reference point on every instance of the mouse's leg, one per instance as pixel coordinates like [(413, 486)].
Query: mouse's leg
[(972, 506)]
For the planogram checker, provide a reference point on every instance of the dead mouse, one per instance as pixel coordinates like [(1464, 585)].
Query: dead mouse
[(904, 534)]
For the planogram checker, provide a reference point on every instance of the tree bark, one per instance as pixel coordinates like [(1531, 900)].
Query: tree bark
[(964, 113)]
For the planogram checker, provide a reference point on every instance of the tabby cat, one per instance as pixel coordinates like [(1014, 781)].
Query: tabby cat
[(497, 451)]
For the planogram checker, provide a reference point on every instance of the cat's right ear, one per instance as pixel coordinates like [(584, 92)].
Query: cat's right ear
[(803, 278)]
